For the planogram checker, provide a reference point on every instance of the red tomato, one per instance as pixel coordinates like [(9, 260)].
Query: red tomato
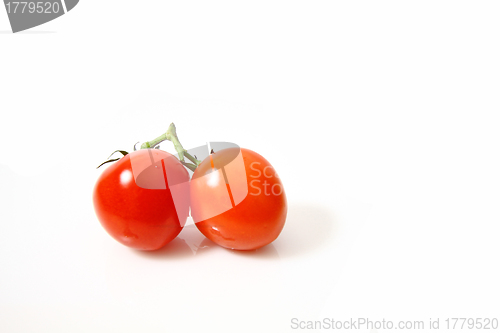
[(142, 200), (237, 199)]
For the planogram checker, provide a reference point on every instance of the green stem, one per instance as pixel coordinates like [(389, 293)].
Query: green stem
[(190, 166), (192, 159), (171, 135)]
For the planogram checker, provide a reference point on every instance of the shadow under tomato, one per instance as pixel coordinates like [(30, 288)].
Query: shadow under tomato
[(308, 228)]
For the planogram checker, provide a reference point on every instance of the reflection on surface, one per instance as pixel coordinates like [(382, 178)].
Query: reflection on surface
[(192, 265), (176, 249), (266, 252), (308, 228), (191, 242)]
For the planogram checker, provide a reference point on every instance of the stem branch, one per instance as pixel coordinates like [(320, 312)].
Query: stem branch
[(171, 135)]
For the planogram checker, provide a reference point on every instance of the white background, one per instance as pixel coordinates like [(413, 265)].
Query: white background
[(381, 118)]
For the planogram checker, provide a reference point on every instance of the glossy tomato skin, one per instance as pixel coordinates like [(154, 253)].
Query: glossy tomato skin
[(142, 216), (241, 210)]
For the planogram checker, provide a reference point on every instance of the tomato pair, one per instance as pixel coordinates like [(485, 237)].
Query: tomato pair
[(235, 196)]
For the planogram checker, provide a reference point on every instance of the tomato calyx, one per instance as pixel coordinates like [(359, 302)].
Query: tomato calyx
[(169, 135), (123, 152)]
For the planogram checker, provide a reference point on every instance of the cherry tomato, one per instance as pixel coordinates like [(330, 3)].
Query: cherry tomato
[(237, 199), (142, 200)]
